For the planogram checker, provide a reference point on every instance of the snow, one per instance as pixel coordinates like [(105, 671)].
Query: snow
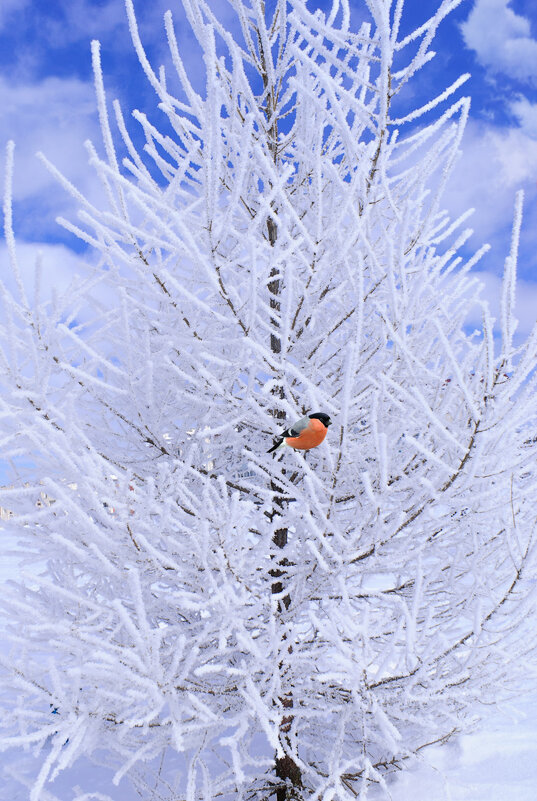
[(168, 621), (494, 763), (9, 562)]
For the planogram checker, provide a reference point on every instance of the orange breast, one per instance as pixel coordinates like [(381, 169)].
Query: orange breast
[(312, 436)]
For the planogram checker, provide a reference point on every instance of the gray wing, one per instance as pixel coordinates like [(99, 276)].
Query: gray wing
[(299, 426)]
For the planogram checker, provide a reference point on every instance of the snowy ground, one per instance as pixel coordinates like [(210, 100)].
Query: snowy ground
[(8, 563), (497, 763)]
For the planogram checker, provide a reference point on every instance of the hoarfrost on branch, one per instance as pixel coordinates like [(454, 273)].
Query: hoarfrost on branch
[(291, 627)]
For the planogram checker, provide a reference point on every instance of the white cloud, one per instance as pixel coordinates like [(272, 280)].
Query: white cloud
[(54, 116), (526, 113), (9, 8), (495, 163), (84, 20), (59, 267), (501, 39), (525, 304), (71, 21), (62, 271)]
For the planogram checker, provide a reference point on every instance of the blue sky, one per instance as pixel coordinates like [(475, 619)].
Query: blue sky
[(47, 103), (47, 98)]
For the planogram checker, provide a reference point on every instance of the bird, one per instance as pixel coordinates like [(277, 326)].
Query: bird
[(306, 433)]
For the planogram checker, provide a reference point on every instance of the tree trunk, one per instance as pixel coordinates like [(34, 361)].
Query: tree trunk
[(286, 768)]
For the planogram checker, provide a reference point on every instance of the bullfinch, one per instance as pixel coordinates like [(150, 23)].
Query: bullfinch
[(306, 433)]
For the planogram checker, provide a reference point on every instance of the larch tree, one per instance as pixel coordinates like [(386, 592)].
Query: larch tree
[(292, 626)]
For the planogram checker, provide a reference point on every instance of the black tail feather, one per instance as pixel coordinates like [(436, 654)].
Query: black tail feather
[(277, 443)]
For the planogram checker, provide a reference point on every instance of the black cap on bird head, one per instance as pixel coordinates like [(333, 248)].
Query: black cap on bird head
[(324, 418)]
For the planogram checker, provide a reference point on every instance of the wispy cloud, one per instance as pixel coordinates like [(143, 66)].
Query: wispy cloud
[(61, 23), (54, 116), (526, 113), (525, 304), (83, 19), (495, 162), (59, 266), (8, 8), (501, 39)]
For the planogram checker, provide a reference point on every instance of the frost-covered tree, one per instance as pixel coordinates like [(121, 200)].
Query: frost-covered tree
[(291, 627)]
